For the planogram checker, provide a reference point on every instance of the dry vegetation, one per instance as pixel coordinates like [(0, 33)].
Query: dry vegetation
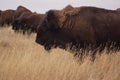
[(22, 59)]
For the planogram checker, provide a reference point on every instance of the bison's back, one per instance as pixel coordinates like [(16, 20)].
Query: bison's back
[(7, 17)]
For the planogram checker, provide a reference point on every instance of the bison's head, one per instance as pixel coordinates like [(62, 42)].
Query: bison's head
[(46, 31), (50, 34)]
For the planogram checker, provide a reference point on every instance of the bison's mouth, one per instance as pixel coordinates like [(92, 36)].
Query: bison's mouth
[(43, 43)]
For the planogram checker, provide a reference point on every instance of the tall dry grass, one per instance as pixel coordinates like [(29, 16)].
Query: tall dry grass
[(22, 59)]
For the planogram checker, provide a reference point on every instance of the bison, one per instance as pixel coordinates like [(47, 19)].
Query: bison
[(18, 25), (32, 21), (28, 22), (79, 27), (6, 17), (20, 11)]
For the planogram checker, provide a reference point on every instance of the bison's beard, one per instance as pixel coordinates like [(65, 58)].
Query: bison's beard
[(48, 45)]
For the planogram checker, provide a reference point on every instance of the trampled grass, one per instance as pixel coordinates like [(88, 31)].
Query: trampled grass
[(22, 59)]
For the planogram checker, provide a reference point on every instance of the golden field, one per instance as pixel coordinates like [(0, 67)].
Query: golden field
[(22, 59)]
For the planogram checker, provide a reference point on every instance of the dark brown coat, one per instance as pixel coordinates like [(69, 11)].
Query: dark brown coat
[(18, 24), (20, 11), (28, 22), (6, 17), (80, 26), (32, 22)]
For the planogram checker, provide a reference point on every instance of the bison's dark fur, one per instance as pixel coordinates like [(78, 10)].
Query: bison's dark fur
[(28, 22), (25, 20), (17, 25), (6, 17), (20, 11), (31, 22), (81, 27)]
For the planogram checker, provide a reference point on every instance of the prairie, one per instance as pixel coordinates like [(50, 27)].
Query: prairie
[(23, 59)]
